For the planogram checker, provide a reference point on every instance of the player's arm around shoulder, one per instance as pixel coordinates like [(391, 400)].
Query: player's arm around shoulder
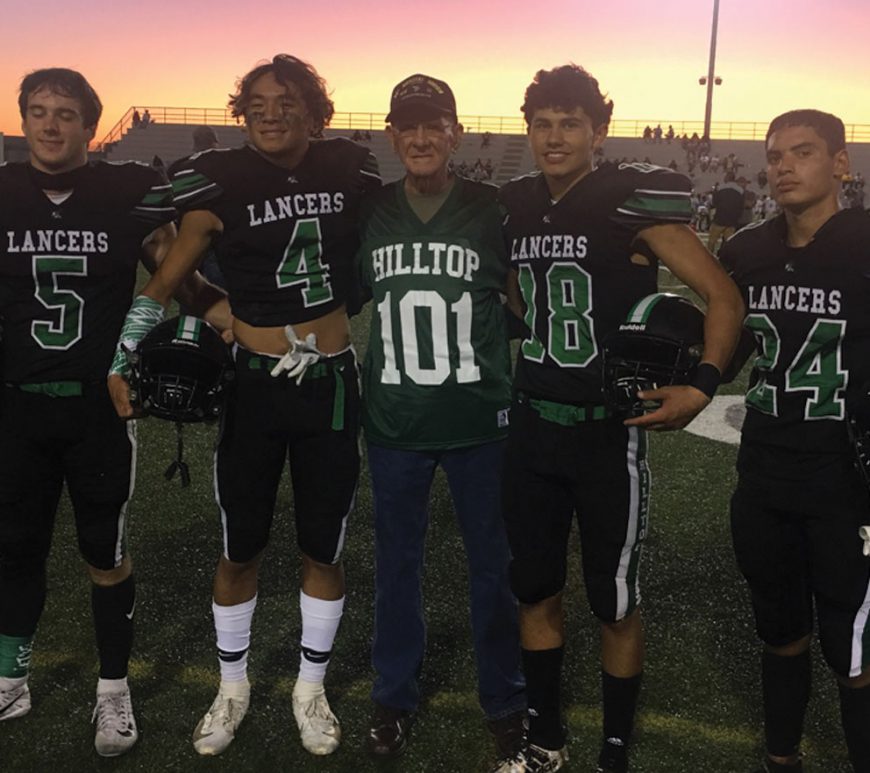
[(514, 300), (360, 292), (679, 249), (514, 306), (174, 262)]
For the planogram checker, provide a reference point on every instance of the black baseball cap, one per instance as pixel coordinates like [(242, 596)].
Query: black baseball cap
[(421, 95)]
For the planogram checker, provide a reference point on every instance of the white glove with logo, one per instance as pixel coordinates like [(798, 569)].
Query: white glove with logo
[(302, 353), (864, 533)]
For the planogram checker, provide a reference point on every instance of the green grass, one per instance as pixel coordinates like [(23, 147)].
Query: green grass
[(700, 707)]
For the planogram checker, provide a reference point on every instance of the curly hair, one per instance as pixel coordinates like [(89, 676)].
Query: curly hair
[(289, 70), (567, 87), (66, 83)]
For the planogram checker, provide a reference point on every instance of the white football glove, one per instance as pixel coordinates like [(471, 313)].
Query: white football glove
[(302, 353), (864, 533)]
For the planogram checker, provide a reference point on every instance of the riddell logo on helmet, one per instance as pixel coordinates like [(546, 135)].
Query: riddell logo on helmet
[(185, 341), (633, 326)]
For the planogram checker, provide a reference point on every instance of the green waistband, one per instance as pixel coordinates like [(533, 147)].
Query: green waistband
[(53, 388), (316, 370), (568, 415)]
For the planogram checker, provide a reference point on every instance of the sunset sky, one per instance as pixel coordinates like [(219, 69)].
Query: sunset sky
[(773, 55)]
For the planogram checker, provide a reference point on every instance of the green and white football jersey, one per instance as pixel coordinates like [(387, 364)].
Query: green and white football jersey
[(437, 370)]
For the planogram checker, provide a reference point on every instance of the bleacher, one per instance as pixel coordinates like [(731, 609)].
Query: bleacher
[(168, 141), (509, 153)]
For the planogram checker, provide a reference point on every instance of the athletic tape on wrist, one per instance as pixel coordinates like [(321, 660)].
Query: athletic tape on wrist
[(145, 313)]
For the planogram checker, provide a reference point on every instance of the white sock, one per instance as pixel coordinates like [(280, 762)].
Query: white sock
[(305, 691), (10, 683), (232, 624), (236, 689), (105, 686), (320, 621)]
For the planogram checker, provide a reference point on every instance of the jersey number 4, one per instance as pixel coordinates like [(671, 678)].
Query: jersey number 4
[(302, 263), (434, 347), (64, 328), (817, 368)]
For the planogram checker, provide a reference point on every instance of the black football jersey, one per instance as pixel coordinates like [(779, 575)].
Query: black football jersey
[(576, 276), (68, 269), (289, 236), (809, 309)]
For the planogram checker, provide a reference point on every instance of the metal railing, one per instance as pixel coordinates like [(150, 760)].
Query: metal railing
[(720, 130), (211, 116)]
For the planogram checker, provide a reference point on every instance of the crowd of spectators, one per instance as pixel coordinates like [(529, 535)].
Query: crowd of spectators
[(479, 171), (698, 153), (758, 204), (700, 157), (852, 193), (657, 135)]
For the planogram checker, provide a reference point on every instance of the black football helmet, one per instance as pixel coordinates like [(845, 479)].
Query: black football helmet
[(659, 344), (181, 370)]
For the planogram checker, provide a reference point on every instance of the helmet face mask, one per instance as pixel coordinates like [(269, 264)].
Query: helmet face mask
[(181, 370), (660, 344)]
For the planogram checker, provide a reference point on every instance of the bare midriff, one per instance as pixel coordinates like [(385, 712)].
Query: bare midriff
[(332, 331)]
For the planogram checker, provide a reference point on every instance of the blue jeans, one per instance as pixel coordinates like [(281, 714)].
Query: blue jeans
[(401, 481)]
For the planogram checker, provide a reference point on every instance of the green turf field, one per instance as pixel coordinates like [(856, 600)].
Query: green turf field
[(700, 707)]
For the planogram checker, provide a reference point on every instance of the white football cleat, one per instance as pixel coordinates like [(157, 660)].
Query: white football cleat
[(217, 728), (533, 759), (319, 730), (14, 698), (116, 725)]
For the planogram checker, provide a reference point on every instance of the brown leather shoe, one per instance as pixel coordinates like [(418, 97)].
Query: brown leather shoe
[(509, 733), (388, 731)]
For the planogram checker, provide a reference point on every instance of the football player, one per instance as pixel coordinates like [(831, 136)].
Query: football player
[(204, 138), (799, 506), (73, 236), (436, 389), (281, 214), (584, 244)]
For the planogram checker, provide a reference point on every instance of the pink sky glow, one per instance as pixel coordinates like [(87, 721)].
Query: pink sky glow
[(773, 55)]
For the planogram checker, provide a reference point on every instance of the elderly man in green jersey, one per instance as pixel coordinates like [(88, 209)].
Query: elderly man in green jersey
[(436, 391)]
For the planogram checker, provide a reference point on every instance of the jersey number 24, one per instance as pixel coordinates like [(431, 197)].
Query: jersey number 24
[(817, 368)]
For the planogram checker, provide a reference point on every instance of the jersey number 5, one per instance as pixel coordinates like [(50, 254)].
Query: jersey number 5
[(64, 328), (302, 263)]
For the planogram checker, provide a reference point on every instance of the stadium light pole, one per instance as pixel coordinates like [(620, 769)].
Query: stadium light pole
[(711, 78)]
